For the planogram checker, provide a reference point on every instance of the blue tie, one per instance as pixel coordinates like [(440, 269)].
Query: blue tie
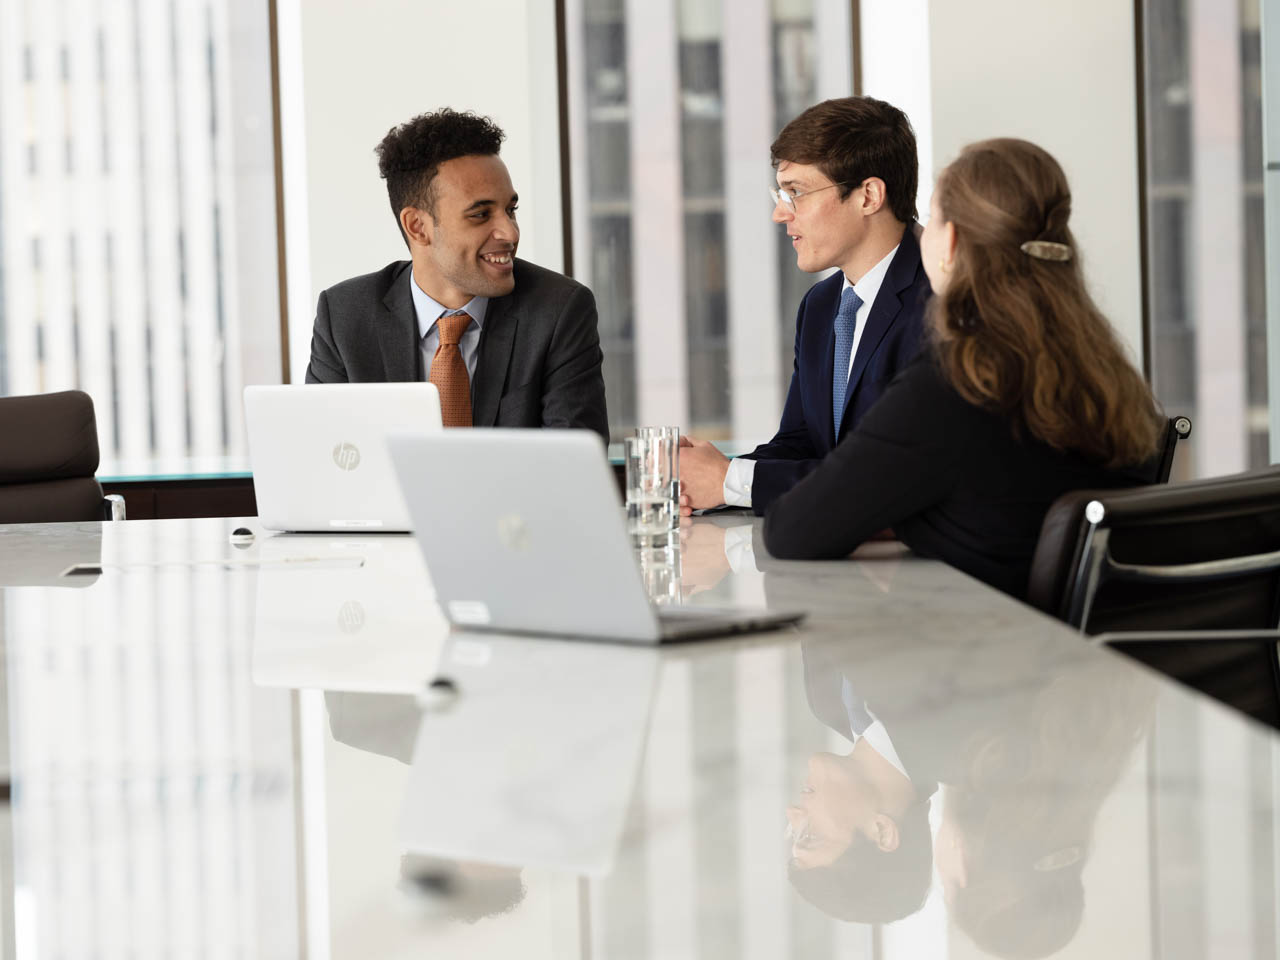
[(846, 321), (859, 716)]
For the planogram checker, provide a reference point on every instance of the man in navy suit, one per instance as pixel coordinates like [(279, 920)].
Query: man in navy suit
[(847, 173)]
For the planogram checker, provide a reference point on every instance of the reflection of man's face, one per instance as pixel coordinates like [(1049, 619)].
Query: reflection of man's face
[(825, 819)]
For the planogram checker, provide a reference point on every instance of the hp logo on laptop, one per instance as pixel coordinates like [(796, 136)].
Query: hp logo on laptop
[(351, 617), (512, 532), (346, 456)]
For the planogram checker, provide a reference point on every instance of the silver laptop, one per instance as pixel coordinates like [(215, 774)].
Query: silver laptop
[(318, 453), (523, 532)]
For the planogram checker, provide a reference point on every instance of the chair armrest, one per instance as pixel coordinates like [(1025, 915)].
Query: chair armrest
[(113, 507)]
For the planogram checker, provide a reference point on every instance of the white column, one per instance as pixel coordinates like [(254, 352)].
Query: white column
[(123, 202), (163, 221), (1270, 13), (541, 191), (244, 189), (15, 244), (750, 235), (51, 215), (206, 354), (657, 222), (1217, 255), (895, 67), (89, 227), (579, 155), (986, 82), (833, 46)]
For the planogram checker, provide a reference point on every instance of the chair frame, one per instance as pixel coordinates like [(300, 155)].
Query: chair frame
[(1096, 565)]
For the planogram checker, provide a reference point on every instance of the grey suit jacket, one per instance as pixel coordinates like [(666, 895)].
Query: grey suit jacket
[(537, 365)]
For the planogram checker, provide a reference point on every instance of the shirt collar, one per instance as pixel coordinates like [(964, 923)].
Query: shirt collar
[(869, 285), (428, 310)]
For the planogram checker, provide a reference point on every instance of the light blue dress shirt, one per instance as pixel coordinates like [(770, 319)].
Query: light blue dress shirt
[(428, 312)]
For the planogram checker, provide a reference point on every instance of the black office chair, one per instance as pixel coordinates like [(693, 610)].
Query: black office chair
[(1203, 555), (1179, 428), (48, 457)]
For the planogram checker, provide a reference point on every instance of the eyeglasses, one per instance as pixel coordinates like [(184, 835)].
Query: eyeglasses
[(789, 199)]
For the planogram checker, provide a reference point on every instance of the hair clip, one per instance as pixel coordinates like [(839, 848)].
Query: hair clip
[(1059, 858), (1046, 250)]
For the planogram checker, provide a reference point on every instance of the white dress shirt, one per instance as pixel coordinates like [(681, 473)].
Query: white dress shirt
[(737, 482), (428, 312)]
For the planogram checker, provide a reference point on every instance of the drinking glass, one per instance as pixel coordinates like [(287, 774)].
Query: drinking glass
[(670, 436), (650, 482)]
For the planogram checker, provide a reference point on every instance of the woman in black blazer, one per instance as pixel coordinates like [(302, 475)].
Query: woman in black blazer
[(1022, 394)]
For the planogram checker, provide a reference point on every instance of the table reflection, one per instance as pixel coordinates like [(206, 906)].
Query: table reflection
[(1020, 773)]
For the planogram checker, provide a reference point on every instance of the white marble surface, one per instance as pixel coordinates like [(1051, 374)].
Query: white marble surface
[(212, 751)]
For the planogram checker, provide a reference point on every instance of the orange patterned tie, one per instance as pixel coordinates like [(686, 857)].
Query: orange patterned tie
[(449, 371)]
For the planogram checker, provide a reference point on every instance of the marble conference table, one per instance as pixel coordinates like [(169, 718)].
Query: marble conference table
[(275, 748)]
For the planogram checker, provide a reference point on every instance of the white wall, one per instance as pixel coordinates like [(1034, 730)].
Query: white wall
[(895, 67), (1062, 75), (351, 70)]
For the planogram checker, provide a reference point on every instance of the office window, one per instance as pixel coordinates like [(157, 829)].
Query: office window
[(672, 110), (1206, 277), (137, 227)]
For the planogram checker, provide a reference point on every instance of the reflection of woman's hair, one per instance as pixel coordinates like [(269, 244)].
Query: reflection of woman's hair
[(1026, 804), (869, 885), (1019, 335)]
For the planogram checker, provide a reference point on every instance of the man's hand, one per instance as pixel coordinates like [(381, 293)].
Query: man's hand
[(702, 472)]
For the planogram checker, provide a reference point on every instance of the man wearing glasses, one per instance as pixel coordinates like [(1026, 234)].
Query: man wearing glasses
[(847, 174)]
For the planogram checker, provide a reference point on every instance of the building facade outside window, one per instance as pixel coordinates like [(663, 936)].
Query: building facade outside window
[(137, 225), (1205, 247)]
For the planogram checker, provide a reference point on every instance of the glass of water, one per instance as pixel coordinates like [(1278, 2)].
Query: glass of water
[(650, 483), (670, 437)]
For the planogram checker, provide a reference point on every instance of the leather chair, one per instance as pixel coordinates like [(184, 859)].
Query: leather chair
[(48, 457), (1179, 429), (1203, 555)]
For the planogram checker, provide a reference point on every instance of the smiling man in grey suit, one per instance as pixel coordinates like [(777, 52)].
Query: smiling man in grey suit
[(507, 343)]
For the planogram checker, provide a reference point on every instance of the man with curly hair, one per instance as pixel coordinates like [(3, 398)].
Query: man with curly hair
[(508, 343)]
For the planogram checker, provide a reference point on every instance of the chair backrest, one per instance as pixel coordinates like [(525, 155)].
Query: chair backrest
[(1191, 556), (1179, 428), (48, 457)]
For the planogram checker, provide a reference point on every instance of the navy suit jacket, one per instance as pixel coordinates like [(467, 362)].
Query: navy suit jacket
[(890, 341)]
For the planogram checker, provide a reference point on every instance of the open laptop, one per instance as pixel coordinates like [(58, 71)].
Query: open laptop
[(523, 532), (319, 457)]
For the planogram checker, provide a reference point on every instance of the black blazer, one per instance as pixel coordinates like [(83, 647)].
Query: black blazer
[(952, 480), (538, 362), (889, 342)]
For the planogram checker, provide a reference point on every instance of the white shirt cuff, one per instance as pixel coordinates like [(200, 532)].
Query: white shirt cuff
[(737, 482), (739, 549)]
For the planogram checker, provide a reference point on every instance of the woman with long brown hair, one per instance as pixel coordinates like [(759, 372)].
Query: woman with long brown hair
[(1023, 393)]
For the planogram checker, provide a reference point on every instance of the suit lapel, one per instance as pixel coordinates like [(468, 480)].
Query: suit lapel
[(884, 311), (494, 356), (398, 333)]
